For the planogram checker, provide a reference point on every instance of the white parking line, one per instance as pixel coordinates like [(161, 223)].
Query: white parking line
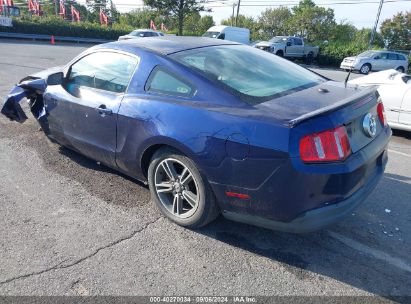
[(399, 153), (378, 254)]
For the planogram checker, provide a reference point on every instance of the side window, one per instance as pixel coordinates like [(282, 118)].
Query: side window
[(102, 70), (298, 41), (384, 56), (392, 56), (163, 82), (401, 57), (221, 36)]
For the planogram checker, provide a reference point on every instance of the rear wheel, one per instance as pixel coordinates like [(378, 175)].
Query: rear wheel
[(365, 69), (180, 191), (401, 69), (309, 58)]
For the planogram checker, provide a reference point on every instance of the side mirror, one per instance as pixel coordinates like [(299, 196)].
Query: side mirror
[(288, 43), (377, 57), (55, 79)]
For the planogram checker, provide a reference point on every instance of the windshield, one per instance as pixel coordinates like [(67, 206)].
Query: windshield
[(367, 54), (278, 39), (211, 34), (136, 33), (256, 76)]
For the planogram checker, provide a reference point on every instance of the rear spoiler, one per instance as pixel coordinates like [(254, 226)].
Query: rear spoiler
[(363, 96)]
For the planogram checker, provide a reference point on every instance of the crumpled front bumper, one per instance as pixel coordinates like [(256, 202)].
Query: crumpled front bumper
[(31, 89)]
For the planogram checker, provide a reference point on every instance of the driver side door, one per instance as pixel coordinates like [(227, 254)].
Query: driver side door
[(82, 112)]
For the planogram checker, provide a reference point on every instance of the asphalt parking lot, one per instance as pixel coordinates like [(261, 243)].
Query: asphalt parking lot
[(72, 227)]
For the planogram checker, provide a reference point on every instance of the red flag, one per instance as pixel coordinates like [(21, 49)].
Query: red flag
[(103, 18), (75, 14), (62, 9), (1, 6), (152, 25), (38, 9), (164, 28)]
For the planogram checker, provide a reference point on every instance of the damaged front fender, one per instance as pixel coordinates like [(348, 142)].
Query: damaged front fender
[(33, 90), (32, 87)]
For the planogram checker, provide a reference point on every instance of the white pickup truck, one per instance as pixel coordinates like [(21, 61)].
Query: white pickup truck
[(289, 46)]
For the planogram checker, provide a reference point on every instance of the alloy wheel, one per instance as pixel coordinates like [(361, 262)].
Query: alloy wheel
[(176, 188)]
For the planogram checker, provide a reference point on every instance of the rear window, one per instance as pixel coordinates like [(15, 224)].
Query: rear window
[(253, 75)]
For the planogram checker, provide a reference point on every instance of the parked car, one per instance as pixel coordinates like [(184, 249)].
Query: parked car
[(216, 127), (142, 33), (291, 47), (231, 33), (395, 91), (375, 61)]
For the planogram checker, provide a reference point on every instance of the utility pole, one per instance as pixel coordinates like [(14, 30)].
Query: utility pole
[(376, 24), (56, 5), (238, 11), (232, 16)]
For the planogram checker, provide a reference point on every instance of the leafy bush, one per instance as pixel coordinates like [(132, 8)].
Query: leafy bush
[(333, 53), (55, 26)]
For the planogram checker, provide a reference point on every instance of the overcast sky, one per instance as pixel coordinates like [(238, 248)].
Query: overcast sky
[(360, 15)]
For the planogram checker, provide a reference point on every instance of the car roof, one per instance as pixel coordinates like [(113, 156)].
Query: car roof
[(167, 45), (144, 30)]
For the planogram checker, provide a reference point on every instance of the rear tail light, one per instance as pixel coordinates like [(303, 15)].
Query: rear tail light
[(381, 113), (327, 146)]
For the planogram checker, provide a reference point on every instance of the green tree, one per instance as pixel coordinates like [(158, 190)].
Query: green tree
[(343, 32), (96, 5), (311, 21), (396, 31), (195, 24), (140, 18), (177, 8), (362, 37), (274, 21)]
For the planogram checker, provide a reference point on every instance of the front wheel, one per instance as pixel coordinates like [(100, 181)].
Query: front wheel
[(180, 191), (365, 69)]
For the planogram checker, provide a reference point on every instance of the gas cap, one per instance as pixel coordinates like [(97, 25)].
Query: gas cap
[(237, 146)]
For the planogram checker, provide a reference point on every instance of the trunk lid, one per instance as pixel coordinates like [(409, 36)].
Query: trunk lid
[(327, 106)]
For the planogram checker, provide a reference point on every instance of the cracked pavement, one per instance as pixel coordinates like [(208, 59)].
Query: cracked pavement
[(72, 227)]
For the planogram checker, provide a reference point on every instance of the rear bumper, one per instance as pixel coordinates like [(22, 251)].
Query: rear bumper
[(319, 218), (300, 198)]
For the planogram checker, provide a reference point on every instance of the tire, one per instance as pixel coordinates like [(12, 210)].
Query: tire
[(191, 203), (309, 58), (401, 69), (280, 53), (365, 69)]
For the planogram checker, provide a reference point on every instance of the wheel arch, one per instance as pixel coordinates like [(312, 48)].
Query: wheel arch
[(163, 142)]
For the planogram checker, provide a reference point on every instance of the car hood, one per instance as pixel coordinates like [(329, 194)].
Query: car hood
[(320, 99), (264, 43), (384, 77)]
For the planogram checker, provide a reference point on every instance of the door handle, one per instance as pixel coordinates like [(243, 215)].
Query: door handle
[(102, 109)]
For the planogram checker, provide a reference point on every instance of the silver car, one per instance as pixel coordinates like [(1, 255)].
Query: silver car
[(375, 61), (141, 33)]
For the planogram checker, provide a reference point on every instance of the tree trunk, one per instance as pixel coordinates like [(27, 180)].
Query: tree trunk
[(180, 17)]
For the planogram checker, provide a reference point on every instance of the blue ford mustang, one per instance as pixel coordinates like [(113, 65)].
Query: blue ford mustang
[(216, 127)]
